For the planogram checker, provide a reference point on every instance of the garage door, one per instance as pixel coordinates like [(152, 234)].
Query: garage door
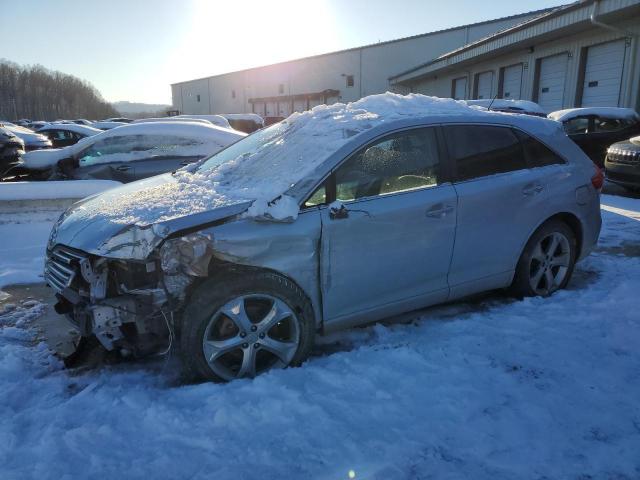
[(484, 85), (512, 82), (460, 88), (300, 105), (272, 109), (258, 107), (603, 74), (551, 83), (284, 108)]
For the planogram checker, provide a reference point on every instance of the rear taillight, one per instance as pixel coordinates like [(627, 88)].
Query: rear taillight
[(598, 178)]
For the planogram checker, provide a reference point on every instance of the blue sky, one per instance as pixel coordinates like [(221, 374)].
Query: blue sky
[(133, 49)]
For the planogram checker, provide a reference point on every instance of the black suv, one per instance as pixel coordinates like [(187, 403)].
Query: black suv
[(622, 164)]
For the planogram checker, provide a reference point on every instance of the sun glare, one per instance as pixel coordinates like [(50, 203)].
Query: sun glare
[(222, 37)]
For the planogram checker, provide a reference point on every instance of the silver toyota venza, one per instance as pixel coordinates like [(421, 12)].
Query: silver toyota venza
[(335, 217)]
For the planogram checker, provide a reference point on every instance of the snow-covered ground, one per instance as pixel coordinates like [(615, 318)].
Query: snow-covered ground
[(489, 389)]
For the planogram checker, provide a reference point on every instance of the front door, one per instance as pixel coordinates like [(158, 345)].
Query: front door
[(388, 249)]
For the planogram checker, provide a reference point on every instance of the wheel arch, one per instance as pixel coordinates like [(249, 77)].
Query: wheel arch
[(220, 268)]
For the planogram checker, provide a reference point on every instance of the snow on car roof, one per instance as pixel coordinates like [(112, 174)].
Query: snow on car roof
[(218, 120), (611, 112), (254, 117), (267, 164), (71, 127)]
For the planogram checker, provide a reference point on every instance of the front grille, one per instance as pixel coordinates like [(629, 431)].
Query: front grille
[(624, 157), (62, 267)]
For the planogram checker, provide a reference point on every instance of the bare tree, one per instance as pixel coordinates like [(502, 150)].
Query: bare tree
[(39, 94)]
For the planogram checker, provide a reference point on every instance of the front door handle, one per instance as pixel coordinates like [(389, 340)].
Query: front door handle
[(532, 189), (123, 168), (439, 211)]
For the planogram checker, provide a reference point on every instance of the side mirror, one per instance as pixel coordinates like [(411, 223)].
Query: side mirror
[(338, 211)]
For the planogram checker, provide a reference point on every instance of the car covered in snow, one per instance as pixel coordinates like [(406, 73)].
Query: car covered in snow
[(622, 164), (31, 139), (338, 216), (11, 147), (218, 120), (66, 134), (108, 124), (594, 129), (131, 152), (245, 122)]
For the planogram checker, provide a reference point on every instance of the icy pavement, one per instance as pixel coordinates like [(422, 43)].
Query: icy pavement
[(495, 389)]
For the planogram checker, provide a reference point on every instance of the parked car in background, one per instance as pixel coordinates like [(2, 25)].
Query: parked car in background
[(37, 125), (32, 140), (323, 221), (218, 120), (594, 129), (65, 134), (82, 121), (11, 147), (108, 125), (131, 152), (245, 122), (118, 119), (173, 119), (622, 165), (525, 107)]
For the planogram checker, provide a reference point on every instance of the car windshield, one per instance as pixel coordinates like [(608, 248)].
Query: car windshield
[(244, 148)]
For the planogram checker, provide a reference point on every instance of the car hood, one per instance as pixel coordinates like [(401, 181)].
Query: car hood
[(92, 226)]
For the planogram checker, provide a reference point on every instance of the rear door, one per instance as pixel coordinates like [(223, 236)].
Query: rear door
[(389, 249), (499, 200)]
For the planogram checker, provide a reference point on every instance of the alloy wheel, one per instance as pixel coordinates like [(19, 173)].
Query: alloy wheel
[(249, 335), (550, 261)]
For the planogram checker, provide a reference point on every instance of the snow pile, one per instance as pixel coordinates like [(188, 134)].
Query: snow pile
[(265, 165), (609, 112), (486, 390)]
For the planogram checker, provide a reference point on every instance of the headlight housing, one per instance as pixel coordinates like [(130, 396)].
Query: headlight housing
[(190, 254)]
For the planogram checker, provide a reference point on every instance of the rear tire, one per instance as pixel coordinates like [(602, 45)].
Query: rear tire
[(547, 262), (240, 324)]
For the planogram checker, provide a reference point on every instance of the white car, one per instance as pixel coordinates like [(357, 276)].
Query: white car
[(32, 140), (132, 152)]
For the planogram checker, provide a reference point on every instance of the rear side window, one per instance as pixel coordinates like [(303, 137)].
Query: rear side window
[(536, 153), (576, 125), (483, 150), (602, 124)]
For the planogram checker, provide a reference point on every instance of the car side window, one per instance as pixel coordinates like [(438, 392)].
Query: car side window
[(396, 163), (536, 153), (129, 148), (576, 125), (483, 150), (602, 124)]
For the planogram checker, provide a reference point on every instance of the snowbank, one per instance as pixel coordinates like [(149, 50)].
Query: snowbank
[(75, 189), (611, 112), (265, 165), (488, 390)]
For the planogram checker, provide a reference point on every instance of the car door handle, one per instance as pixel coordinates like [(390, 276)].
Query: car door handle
[(532, 189), (439, 211), (123, 168)]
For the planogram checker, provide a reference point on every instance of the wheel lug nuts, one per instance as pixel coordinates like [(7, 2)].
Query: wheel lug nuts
[(261, 335), (253, 328), (243, 334), (245, 345), (256, 345)]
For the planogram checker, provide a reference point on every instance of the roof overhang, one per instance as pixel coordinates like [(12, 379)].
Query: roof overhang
[(558, 23)]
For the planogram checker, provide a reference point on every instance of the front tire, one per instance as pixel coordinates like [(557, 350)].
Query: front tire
[(242, 324), (547, 262)]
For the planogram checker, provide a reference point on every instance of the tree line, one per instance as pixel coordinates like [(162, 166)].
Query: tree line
[(37, 93)]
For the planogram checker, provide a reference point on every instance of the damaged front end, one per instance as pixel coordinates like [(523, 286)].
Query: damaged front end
[(128, 297)]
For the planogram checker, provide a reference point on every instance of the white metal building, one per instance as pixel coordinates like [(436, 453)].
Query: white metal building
[(279, 89), (583, 54)]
